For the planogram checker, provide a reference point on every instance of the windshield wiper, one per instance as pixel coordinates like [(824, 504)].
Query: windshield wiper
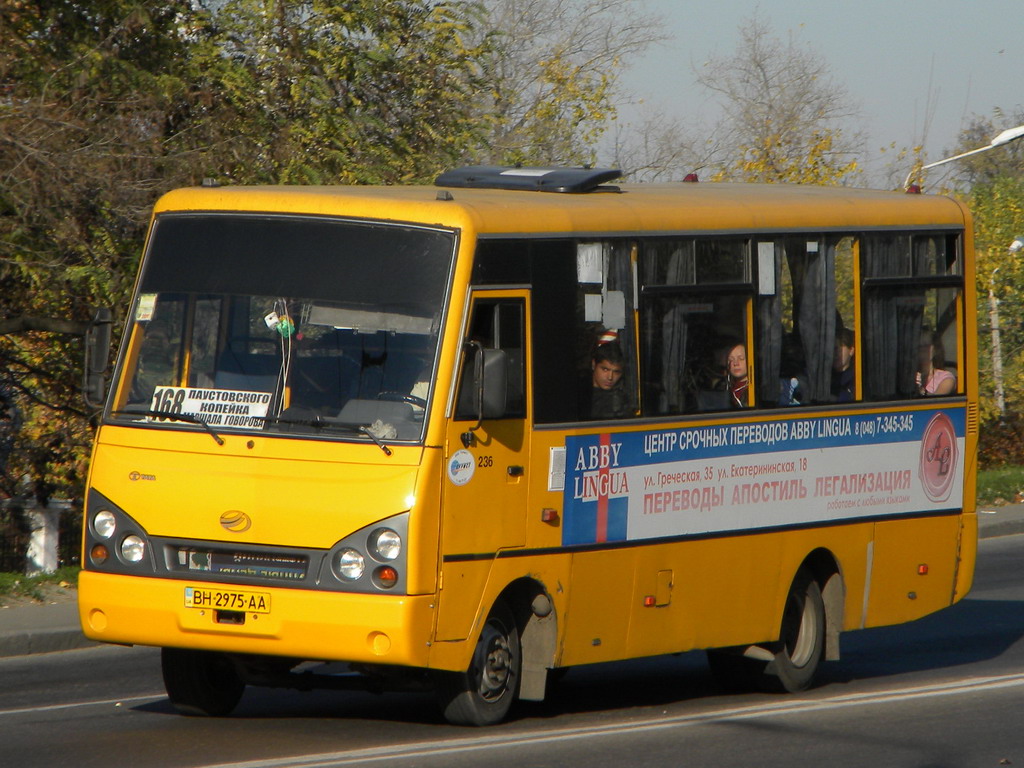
[(171, 416), (318, 422), (365, 429)]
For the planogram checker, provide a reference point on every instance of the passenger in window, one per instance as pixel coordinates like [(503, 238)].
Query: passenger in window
[(731, 359), (842, 366), (932, 377), (606, 396)]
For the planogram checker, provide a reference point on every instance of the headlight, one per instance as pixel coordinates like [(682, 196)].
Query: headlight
[(349, 565), (385, 544), (104, 523), (133, 549)]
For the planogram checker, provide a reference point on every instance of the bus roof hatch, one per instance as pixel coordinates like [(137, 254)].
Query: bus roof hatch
[(529, 179)]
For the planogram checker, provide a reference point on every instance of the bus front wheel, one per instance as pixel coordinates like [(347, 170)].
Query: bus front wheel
[(483, 694), (789, 665), (201, 682)]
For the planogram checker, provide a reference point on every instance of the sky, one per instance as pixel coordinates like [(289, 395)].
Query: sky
[(918, 69)]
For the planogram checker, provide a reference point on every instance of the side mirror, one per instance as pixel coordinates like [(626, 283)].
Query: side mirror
[(484, 389), (493, 383), (97, 355)]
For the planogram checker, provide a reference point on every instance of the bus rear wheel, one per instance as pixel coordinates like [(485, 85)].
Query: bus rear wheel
[(802, 639), (483, 694), (789, 665), (201, 683)]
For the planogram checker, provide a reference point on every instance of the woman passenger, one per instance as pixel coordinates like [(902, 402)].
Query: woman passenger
[(732, 359), (932, 379)]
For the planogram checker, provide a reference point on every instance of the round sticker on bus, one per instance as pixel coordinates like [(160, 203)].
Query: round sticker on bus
[(938, 457), (460, 467)]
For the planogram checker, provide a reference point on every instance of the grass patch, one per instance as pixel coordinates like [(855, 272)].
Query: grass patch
[(1002, 483), (19, 585)]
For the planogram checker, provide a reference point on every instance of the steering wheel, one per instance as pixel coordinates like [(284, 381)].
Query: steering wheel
[(402, 397)]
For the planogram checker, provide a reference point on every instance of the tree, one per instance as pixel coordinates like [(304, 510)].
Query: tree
[(107, 103), (321, 92), (992, 184), (997, 207), (659, 148), (86, 88), (552, 75), (783, 114)]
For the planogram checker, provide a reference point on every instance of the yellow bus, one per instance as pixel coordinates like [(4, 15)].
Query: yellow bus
[(458, 437)]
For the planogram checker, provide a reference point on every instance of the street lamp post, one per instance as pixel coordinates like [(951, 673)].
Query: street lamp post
[(1005, 137), (997, 352)]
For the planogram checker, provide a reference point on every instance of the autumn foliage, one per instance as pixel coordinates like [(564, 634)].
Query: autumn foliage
[(106, 104)]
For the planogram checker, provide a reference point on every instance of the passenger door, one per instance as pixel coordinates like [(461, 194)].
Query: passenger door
[(486, 460)]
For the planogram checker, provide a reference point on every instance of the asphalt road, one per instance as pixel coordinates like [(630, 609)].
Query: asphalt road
[(943, 691)]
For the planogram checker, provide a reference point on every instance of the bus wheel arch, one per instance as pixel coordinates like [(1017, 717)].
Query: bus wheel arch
[(809, 628), (513, 653), (795, 656), (483, 694)]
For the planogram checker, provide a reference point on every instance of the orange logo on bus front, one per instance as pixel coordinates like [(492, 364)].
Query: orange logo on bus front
[(235, 521)]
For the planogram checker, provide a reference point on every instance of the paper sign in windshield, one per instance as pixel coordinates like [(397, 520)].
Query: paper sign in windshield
[(230, 408)]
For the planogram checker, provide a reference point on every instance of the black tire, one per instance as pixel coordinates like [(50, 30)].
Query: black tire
[(201, 683), (795, 657), (801, 640), (483, 694)]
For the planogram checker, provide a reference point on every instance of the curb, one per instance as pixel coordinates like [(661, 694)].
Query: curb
[(998, 525), (42, 641)]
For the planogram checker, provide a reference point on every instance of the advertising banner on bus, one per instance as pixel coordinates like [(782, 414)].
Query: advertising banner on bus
[(627, 486)]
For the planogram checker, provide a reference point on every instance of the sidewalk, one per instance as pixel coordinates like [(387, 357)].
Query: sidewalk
[(40, 628), (26, 629)]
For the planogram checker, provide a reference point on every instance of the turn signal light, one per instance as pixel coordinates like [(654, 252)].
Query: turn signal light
[(99, 554), (386, 577), (922, 569)]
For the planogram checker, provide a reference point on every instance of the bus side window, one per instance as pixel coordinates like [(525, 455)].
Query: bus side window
[(687, 341), (694, 298), (800, 309), (579, 292), (912, 290)]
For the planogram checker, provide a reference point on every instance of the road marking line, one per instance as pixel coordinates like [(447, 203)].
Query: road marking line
[(79, 704), (791, 706)]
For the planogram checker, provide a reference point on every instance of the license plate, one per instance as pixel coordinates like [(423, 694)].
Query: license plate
[(227, 600)]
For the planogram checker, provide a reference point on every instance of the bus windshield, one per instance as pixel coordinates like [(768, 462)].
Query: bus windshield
[(286, 324)]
